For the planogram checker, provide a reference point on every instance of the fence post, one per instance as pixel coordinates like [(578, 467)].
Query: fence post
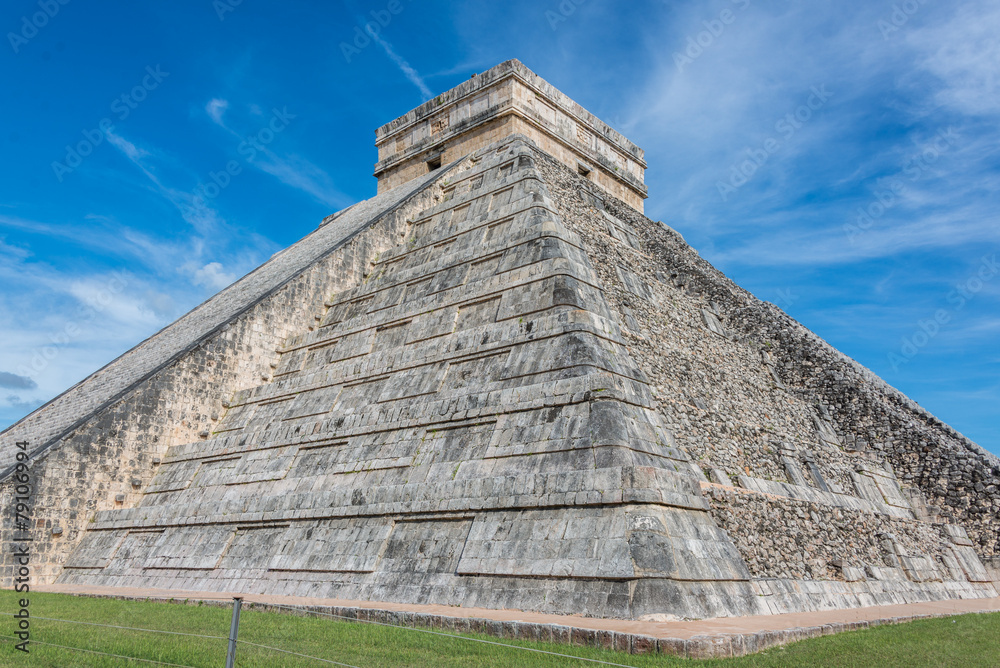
[(234, 629)]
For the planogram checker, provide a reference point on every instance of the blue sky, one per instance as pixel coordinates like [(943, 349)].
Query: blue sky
[(839, 159)]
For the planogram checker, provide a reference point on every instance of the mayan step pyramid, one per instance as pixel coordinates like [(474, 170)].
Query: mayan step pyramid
[(498, 384)]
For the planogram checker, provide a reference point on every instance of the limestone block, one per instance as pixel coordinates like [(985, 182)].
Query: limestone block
[(817, 476), (719, 476), (794, 472), (827, 433), (885, 482), (355, 396), (331, 546), (866, 488), (579, 542), (263, 465), (252, 548), (885, 573), (681, 544), (477, 314), (432, 324), (96, 549), (543, 430), (970, 563), (190, 547), (342, 311), (312, 403), (634, 284), (891, 492), (426, 546), (956, 534), (216, 471), (237, 417), (172, 476), (713, 324), (621, 231), (952, 566)]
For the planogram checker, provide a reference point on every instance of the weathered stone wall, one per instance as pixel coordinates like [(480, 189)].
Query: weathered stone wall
[(746, 389), (959, 480), (787, 538), (113, 453)]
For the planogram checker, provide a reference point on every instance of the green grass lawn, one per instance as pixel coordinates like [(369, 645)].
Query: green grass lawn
[(968, 641)]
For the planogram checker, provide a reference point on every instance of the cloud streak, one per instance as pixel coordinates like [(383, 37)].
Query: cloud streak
[(293, 170), (404, 67), (215, 109)]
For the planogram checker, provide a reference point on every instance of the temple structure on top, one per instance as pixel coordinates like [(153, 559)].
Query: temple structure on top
[(505, 100)]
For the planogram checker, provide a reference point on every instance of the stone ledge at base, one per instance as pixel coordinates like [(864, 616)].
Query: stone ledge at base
[(681, 639)]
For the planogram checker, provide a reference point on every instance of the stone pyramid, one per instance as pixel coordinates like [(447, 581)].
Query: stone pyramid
[(498, 384)]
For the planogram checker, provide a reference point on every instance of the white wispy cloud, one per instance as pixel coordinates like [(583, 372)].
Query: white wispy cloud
[(203, 218), (8, 250), (964, 54), (709, 112), (213, 276), (408, 71), (301, 174), (130, 150), (60, 324), (215, 109), (292, 170), (114, 302)]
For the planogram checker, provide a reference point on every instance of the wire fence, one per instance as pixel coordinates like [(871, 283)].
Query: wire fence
[(449, 635), (235, 642), (129, 628), (285, 651), (91, 651)]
